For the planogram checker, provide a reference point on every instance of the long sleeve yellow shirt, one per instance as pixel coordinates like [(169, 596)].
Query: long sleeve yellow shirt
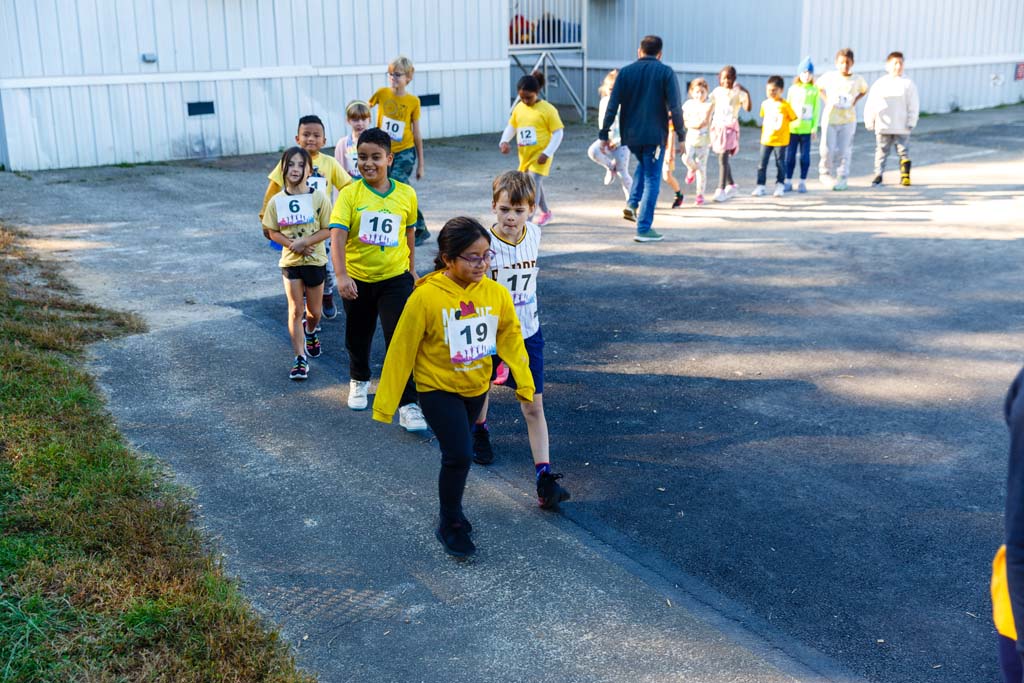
[(444, 339)]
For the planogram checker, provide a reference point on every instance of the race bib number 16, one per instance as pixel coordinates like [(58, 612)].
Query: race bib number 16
[(379, 229), (471, 339)]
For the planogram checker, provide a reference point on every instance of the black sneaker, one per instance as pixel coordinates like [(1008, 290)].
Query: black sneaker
[(312, 345), (629, 213), (877, 180), (483, 454), (300, 370), (329, 309), (678, 201), (455, 539), (549, 493)]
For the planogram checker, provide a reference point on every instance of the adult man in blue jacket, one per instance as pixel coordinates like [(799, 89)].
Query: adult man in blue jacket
[(645, 94)]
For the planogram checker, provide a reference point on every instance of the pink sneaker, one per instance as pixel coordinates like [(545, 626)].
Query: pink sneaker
[(690, 177), (501, 374), (543, 219), (700, 200)]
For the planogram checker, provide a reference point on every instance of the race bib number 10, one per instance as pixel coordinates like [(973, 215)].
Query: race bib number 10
[(395, 129), (380, 229), (294, 209), (471, 339), (520, 282)]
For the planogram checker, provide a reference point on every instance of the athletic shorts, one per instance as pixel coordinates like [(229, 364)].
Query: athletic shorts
[(311, 276), (535, 351)]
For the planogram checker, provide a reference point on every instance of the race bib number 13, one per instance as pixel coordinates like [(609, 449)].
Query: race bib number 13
[(380, 229), (294, 209), (471, 339), (520, 282)]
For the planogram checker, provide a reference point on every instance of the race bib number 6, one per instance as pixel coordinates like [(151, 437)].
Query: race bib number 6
[(471, 339), (380, 229), (394, 128), (527, 136), (520, 282), (294, 209)]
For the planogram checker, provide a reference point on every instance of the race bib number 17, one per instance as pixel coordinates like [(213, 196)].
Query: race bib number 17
[(520, 282), (294, 209), (379, 229), (471, 339)]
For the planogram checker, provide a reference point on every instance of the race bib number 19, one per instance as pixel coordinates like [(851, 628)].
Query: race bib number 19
[(520, 282), (527, 136), (379, 229), (294, 209), (471, 339), (395, 129)]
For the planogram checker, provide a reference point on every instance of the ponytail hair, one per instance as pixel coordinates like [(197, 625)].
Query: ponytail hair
[(531, 82), (457, 235)]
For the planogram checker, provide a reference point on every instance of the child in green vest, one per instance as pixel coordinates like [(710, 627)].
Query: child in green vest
[(803, 97)]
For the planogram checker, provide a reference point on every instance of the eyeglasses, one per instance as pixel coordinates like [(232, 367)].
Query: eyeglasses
[(395, 74), (477, 260)]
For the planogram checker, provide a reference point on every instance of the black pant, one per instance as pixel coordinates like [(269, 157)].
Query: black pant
[(724, 171), (451, 417), (780, 164), (385, 299)]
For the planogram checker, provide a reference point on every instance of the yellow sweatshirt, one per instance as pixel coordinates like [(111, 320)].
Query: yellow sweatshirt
[(446, 337), (1002, 615)]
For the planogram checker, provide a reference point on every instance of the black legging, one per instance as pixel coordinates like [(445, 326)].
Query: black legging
[(451, 417), (724, 171)]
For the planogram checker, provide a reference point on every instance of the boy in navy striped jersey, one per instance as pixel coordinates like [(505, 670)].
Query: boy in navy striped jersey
[(516, 244)]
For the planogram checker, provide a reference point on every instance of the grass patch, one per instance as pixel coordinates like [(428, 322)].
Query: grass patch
[(102, 575)]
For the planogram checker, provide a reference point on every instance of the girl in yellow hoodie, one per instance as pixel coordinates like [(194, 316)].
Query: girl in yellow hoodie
[(456, 319)]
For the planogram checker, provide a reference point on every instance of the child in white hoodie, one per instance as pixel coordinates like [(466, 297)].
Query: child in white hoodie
[(891, 111)]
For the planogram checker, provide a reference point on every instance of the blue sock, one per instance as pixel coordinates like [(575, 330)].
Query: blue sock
[(543, 468)]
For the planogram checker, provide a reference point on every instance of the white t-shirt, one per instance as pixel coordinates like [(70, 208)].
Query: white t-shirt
[(514, 265), (727, 105), (695, 110)]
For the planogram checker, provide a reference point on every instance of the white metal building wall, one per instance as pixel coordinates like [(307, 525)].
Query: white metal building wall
[(960, 54), (74, 90)]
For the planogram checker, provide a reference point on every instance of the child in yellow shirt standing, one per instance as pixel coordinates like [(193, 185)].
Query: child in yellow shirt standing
[(455, 321), (398, 115), (538, 130), (372, 248), (297, 218), (324, 174), (776, 115)]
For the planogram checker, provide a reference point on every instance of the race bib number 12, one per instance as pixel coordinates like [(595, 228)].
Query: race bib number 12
[(471, 339), (527, 136), (294, 209), (379, 229)]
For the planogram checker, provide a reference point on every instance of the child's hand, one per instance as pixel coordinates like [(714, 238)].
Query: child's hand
[(542, 159), (419, 171), (298, 246), (347, 288), (504, 147)]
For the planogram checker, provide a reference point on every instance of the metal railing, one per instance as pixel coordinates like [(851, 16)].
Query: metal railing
[(546, 28)]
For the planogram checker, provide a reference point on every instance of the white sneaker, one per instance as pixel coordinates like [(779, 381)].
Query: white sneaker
[(758, 191), (780, 190), (357, 392), (411, 417), (802, 187), (731, 191), (609, 176), (719, 196)]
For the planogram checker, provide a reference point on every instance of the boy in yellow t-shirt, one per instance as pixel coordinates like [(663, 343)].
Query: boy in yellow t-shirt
[(372, 239), (840, 90), (326, 173), (776, 115), (398, 115)]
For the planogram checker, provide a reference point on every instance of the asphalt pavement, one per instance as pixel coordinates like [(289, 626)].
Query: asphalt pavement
[(781, 426)]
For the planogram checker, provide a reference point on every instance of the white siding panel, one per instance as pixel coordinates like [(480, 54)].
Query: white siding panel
[(10, 52), (51, 29), (28, 37)]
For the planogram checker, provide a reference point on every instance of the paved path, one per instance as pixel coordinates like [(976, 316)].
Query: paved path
[(781, 426)]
